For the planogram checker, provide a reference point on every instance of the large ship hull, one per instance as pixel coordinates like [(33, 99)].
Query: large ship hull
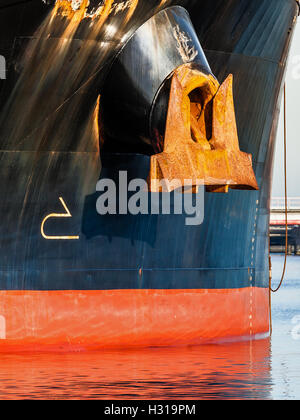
[(88, 281)]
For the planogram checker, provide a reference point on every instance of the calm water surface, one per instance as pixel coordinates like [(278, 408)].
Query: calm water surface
[(268, 369)]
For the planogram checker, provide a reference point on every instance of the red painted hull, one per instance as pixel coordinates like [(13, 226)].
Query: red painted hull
[(92, 320)]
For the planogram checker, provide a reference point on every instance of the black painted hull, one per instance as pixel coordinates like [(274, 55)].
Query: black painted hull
[(229, 251)]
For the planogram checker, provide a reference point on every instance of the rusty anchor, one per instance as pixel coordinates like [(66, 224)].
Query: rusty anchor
[(201, 145)]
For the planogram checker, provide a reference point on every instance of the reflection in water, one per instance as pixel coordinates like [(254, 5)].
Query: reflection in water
[(285, 350), (266, 369), (240, 370)]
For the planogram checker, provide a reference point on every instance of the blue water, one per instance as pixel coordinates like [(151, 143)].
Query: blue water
[(265, 369), (285, 342)]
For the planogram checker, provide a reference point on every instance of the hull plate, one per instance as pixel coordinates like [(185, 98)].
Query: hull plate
[(94, 320)]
